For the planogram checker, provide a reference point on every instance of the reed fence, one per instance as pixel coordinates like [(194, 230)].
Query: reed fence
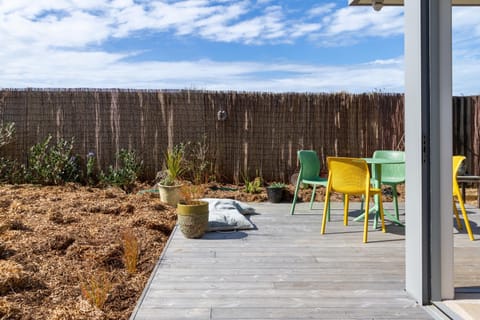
[(247, 134)]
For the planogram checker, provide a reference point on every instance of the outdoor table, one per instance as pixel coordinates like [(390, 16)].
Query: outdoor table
[(376, 166)]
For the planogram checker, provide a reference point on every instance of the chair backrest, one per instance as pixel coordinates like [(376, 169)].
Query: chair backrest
[(309, 164), (392, 172), (456, 163), (348, 175)]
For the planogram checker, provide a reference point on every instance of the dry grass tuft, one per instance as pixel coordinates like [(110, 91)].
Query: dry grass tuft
[(8, 311), (96, 288), (13, 277), (130, 251)]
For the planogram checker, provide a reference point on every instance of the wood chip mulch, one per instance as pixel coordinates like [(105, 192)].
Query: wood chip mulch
[(55, 240)]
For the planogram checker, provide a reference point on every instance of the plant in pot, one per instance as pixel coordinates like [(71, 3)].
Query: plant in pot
[(275, 192), (169, 184), (192, 213)]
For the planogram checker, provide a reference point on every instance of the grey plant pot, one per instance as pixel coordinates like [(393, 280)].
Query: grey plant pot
[(275, 195)]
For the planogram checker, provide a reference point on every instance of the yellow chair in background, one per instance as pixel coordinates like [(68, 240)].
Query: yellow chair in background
[(350, 176), (457, 162)]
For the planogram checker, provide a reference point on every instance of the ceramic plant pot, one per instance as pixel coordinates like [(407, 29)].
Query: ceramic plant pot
[(193, 218), (169, 194)]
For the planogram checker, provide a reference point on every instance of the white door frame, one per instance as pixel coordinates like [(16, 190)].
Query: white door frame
[(428, 145)]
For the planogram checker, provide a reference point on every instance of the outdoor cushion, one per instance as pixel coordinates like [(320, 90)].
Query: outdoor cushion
[(227, 214)]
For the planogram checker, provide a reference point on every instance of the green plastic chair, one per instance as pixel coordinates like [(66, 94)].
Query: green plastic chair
[(309, 174), (392, 174)]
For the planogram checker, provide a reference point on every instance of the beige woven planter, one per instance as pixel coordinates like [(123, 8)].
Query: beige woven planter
[(169, 194), (193, 219)]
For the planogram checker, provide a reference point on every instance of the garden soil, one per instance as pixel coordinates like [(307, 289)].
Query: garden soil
[(64, 247)]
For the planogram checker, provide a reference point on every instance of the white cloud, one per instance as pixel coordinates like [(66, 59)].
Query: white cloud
[(76, 23), (364, 22), (321, 10), (99, 69), (59, 44), (466, 33)]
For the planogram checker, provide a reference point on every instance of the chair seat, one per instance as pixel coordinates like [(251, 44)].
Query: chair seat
[(320, 181), (355, 192), (388, 180)]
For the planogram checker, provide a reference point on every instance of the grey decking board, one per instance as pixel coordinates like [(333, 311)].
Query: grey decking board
[(286, 270), (275, 313), (277, 292), (293, 302)]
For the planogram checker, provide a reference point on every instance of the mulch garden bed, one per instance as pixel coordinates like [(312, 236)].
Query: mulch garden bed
[(57, 242)]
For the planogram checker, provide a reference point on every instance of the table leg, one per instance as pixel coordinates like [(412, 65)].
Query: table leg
[(478, 195), (376, 170)]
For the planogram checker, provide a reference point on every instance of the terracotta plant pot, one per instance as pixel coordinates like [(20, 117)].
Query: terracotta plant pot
[(169, 194), (193, 218)]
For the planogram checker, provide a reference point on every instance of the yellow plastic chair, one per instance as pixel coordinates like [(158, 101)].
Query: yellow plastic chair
[(457, 162), (350, 176), (309, 174)]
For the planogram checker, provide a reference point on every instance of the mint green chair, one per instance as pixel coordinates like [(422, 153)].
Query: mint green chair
[(392, 174), (309, 174)]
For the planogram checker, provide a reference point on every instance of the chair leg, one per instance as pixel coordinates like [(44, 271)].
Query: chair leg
[(465, 218), (365, 223), (345, 209), (382, 215), (325, 211), (395, 200), (327, 203), (295, 194), (455, 211), (312, 198), (314, 193)]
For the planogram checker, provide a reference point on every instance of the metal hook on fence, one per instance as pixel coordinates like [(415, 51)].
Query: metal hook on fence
[(222, 115)]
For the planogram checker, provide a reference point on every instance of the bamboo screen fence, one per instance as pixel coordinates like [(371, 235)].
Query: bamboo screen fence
[(260, 134)]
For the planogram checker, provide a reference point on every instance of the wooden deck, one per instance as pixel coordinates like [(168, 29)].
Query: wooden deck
[(286, 270)]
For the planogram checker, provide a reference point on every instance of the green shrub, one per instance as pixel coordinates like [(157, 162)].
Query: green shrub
[(278, 185), (91, 177), (252, 186), (174, 166), (11, 171), (6, 133), (125, 173), (52, 164)]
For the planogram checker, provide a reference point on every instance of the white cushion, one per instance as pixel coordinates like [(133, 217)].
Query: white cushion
[(228, 214)]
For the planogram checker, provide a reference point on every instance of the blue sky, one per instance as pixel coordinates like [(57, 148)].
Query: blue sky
[(247, 45)]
